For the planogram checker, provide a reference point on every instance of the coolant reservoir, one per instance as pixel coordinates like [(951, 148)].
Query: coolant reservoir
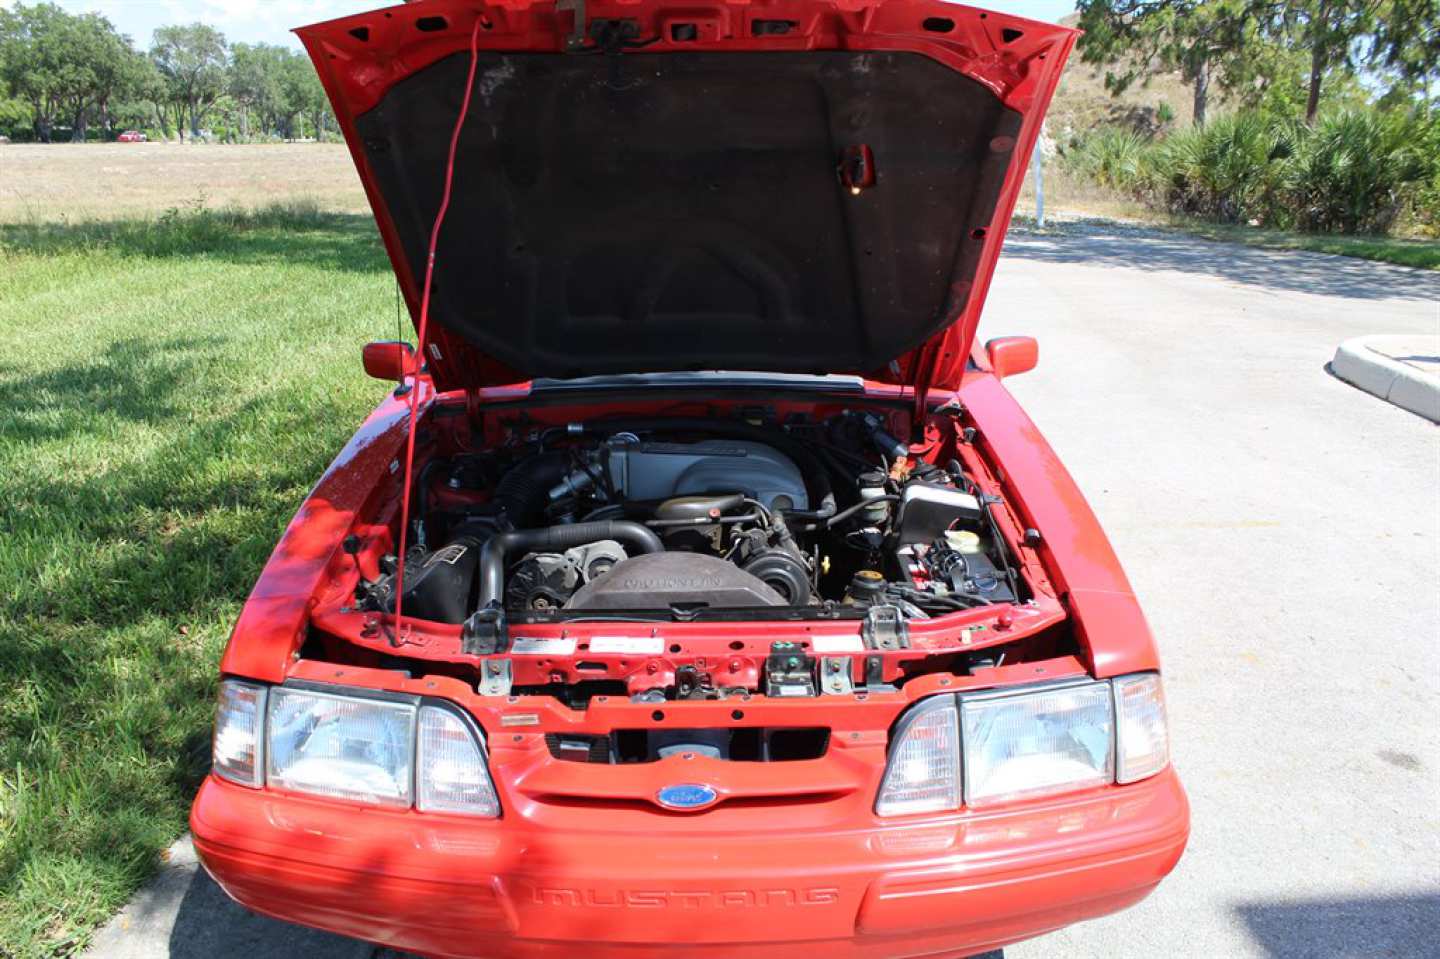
[(963, 541)]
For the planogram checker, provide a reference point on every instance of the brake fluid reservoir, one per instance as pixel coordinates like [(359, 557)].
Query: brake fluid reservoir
[(871, 488)]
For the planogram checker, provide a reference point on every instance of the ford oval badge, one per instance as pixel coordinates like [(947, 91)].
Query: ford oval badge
[(686, 796)]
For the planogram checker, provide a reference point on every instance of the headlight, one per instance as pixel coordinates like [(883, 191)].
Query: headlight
[(340, 746), (387, 750), (1033, 744), (236, 746), (1011, 744)]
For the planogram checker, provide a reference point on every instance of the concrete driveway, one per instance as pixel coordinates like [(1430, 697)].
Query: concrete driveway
[(1283, 531)]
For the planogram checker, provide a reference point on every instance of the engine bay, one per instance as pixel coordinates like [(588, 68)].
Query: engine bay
[(738, 550), (696, 518)]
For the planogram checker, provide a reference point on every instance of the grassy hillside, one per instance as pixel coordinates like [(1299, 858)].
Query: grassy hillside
[(1082, 102)]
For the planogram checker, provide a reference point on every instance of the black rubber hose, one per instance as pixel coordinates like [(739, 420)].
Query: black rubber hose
[(524, 489), (501, 546), (850, 511), (422, 490), (810, 464)]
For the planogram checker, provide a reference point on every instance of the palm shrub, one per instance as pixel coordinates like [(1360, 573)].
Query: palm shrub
[(1425, 205), (1355, 171), (1113, 157), (1225, 170)]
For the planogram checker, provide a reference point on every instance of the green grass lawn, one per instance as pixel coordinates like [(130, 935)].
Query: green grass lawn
[(169, 390), (1424, 254)]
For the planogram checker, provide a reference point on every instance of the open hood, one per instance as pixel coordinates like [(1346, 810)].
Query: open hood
[(800, 186)]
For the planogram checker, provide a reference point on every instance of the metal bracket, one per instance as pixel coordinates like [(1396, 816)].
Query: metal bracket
[(789, 671), (495, 677), (835, 678), (885, 628), (485, 633), (874, 672)]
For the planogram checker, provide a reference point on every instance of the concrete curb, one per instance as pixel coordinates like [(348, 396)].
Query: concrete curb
[(1402, 370)]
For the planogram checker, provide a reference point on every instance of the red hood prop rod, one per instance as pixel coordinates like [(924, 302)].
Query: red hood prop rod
[(424, 323)]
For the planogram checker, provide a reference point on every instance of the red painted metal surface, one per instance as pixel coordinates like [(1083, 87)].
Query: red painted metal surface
[(1011, 355), (389, 360), (780, 885)]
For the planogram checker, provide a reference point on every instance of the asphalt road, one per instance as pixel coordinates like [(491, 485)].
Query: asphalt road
[(1283, 531)]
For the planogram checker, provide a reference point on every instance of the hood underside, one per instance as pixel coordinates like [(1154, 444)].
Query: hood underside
[(713, 192)]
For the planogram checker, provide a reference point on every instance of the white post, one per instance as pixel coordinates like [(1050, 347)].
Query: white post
[(1037, 164)]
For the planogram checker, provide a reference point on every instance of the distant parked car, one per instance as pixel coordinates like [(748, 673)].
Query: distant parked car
[(132, 136)]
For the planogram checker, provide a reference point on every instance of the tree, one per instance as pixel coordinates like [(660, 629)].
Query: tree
[(1344, 36), (123, 74), (67, 66), (310, 94), (299, 88), (1333, 31), (1203, 39), (254, 81), (193, 60), (1408, 45), (102, 65), (33, 58)]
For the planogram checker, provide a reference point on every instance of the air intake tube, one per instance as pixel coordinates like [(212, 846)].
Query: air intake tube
[(501, 546)]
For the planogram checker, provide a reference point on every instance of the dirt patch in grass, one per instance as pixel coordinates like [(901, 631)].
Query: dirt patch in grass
[(71, 182)]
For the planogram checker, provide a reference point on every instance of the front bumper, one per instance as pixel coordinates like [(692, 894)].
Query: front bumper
[(447, 886)]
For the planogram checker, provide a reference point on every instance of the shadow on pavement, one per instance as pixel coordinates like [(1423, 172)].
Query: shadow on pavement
[(1371, 926), (1146, 249)]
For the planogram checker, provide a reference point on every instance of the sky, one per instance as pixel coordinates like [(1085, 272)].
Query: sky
[(270, 21)]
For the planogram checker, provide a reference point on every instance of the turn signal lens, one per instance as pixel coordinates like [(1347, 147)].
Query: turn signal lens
[(1144, 735), (235, 750), (924, 770), (451, 772)]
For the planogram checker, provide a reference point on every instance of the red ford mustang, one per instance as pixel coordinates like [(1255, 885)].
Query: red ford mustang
[(700, 590)]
